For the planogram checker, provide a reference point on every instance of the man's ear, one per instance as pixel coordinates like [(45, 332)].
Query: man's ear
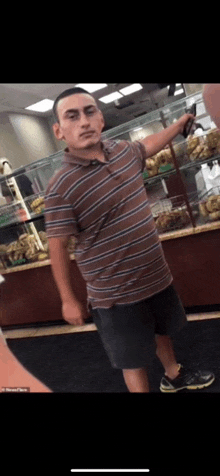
[(57, 132)]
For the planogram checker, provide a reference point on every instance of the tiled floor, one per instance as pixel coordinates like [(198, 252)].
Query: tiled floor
[(66, 329)]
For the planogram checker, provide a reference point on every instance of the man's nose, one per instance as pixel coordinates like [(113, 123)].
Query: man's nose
[(84, 120)]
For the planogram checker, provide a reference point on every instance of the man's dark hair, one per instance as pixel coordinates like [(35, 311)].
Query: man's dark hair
[(65, 94)]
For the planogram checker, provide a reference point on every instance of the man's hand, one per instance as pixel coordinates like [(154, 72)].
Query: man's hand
[(156, 142), (74, 313), (183, 121)]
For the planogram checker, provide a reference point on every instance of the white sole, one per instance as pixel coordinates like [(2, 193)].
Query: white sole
[(190, 387)]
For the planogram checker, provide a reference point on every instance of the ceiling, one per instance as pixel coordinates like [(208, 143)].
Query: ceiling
[(14, 97)]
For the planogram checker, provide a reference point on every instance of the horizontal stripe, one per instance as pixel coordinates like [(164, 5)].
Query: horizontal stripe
[(119, 248), (90, 192), (67, 175), (134, 297), (84, 179), (114, 222), (118, 286), (59, 222), (124, 232), (126, 272), (138, 289), (58, 208), (103, 199)]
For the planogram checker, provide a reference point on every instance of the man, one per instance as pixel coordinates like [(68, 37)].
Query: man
[(99, 197), (211, 97)]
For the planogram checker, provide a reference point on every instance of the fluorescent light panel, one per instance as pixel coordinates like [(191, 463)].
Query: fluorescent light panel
[(179, 91), (131, 89), (91, 88), (41, 106), (111, 97)]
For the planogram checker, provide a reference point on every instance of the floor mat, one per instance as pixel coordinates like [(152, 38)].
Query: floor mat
[(78, 362)]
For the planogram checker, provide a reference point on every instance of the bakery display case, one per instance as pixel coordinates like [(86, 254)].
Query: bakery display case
[(174, 178), (23, 238)]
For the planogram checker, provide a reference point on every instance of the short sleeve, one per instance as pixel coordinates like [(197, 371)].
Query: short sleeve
[(59, 216), (140, 152)]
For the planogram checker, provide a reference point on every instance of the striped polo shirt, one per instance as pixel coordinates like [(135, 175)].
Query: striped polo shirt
[(105, 207)]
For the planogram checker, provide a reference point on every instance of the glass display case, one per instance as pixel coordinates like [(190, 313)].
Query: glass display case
[(23, 238), (181, 182), (182, 178)]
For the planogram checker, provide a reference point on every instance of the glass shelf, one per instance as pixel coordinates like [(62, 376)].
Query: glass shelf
[(189, 165)]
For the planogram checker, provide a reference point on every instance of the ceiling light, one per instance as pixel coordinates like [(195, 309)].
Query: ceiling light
[(91, 88), (111, 97), (130, 89), (41, 106), (138, 129), (180, 91)]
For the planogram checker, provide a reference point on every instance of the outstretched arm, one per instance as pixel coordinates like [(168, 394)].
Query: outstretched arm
[(155, 142)]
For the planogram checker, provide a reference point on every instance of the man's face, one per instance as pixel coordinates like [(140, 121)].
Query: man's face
[(80, 121)]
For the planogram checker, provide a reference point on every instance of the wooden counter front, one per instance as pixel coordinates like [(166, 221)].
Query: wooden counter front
[(30, 295)]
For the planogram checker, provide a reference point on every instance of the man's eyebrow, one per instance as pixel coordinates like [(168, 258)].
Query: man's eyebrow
[(69, 111)]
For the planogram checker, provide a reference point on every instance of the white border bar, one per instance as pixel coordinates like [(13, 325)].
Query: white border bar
[(110, 470)]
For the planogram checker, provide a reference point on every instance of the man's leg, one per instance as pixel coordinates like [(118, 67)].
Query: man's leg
[(136, 380), (166, 355)]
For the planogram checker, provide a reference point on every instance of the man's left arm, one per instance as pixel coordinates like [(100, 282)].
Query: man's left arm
[(156, 142)]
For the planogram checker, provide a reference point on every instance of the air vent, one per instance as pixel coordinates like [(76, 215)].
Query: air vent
[(141, 113)]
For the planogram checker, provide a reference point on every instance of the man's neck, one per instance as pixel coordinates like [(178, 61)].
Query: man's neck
[(91, 153)]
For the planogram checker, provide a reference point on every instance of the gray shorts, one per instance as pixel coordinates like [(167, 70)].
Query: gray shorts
[(128, 331)]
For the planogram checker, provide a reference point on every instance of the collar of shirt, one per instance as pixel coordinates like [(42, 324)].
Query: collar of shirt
[(76, 159)]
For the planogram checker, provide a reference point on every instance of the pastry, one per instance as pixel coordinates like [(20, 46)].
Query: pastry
[(214, 215), (211, 207), (42, 256), (152, 172), (38, 201), (213, 138), (203, 210), (192, 143), (151, 167), (38, 205), (170, 220)]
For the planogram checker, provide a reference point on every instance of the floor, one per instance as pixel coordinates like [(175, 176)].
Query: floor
[(67, 329)]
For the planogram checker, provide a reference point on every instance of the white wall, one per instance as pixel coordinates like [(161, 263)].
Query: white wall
[(26, 138), (60, 144)]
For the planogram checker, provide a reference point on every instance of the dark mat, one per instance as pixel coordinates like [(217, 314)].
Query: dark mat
[(78, 363)]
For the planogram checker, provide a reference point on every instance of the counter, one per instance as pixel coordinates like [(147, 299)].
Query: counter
[(192, 254)]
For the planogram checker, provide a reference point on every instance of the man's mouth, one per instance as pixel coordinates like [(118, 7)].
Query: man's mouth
[(87, 133)]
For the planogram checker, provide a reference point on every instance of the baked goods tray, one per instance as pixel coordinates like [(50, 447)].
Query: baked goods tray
[(171, 214), (209, 205), (188, 152)]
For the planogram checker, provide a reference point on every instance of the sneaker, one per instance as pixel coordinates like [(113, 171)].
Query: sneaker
[(189, 379)]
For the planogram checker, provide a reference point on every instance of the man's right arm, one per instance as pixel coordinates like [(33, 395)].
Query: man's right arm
[(72, 309)]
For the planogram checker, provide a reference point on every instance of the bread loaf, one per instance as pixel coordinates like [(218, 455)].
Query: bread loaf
[(211, 207)]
